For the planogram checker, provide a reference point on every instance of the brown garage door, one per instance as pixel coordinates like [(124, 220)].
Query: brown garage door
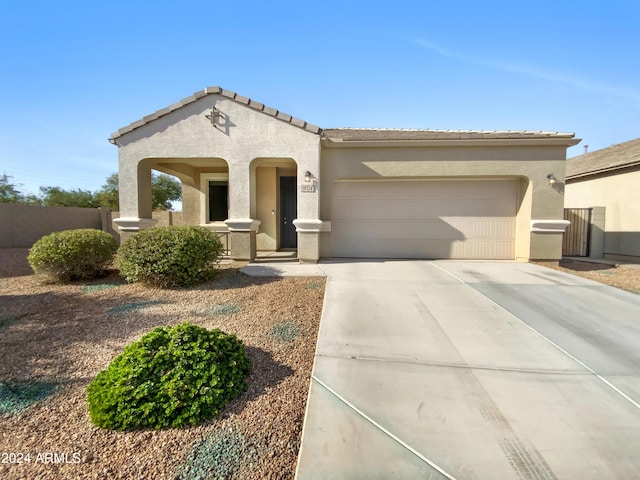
[(424, 219)]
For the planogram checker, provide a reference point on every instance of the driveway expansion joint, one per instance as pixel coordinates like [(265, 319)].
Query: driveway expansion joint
[(548, 340), (382, 429), (460, 365)]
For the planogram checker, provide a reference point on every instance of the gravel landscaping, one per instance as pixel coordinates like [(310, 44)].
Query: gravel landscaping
[(54, 339), (625, 277)]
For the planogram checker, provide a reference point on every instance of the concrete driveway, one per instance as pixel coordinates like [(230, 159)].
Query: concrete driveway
[(465, 370)]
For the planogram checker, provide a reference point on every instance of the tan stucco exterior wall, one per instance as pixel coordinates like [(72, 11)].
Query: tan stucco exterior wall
[(253, 149), (267, 207), (530, 164), (619, 195), (186, 135)]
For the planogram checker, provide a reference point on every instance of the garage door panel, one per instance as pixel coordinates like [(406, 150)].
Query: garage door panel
[(398, 189), (399, 248), (424, 219), (446, 227), (495, 250), (489, 228), (416, 208), (425, 228)]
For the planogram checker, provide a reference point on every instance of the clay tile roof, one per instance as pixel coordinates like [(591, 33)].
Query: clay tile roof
[(347, 134), (225, 93), (622, 155), (387, 134)]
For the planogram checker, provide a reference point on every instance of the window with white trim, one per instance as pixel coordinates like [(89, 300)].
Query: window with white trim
[(214, 198)]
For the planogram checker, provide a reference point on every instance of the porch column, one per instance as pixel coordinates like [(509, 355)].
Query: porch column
[(242, 238), (309, 237), (309, 226), (134, 186), (242, 227)]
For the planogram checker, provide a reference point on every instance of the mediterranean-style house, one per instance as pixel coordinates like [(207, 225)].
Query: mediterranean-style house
[(273, 181), (609, 178)]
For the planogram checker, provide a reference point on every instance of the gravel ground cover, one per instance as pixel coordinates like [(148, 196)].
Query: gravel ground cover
[(55, 339), (626, 277)]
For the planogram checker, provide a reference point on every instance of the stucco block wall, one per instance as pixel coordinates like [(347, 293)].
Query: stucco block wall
[(530, 164), (168, 218), (162, 218), (619, 195), (22, 225), (190, 204)]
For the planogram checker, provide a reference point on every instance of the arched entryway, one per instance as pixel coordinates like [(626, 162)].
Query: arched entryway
[(274, 202)]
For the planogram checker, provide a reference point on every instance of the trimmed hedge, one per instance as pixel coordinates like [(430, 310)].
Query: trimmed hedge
[(172, 377), (171, 256), (80, 254)]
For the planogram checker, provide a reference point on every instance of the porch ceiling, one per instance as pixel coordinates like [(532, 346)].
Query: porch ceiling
[(274, 162), (184, 168)]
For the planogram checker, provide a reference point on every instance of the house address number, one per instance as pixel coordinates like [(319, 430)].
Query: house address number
[(307, 188)]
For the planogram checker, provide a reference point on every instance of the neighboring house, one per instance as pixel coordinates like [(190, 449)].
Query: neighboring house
[(609, 178), (276, 182)]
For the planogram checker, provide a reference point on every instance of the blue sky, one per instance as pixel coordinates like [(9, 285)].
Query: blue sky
[(73, 72)]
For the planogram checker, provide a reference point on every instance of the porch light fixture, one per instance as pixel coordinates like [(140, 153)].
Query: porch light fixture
[(307, 177), (214, 116), (551, 178)]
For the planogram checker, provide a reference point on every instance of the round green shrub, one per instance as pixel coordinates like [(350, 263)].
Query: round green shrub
[(172, 377), (72, 255), (170, 256)]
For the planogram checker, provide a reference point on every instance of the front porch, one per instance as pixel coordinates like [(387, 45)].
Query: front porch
[(216, 197), (248, 171)]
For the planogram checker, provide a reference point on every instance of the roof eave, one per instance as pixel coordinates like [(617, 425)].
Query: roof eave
[(472, 142), (260, 107), (603, 170)]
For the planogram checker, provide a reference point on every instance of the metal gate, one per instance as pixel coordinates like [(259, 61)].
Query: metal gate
[(575, 242)]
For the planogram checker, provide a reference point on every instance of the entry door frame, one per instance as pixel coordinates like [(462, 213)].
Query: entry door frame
[(288, 211)]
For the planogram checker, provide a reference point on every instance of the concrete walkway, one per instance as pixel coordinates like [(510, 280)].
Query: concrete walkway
[(472, 370), (282, 269)]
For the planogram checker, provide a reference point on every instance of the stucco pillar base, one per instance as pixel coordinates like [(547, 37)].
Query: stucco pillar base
[(242, 237), (546, 239), (309, 231), (129, 226), (242, 245), (308, 247)]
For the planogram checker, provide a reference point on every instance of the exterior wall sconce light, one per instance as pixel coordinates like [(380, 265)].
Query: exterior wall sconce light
[(307, 177), (214, 116), (551, 178)]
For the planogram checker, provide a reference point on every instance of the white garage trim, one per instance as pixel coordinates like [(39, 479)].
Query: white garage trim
[(424, 218)]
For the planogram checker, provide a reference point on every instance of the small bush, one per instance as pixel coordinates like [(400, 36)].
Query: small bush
[(226, 308), (7, 321), (80, 254), (172, 377), (222, 454), (133, 306), (17, 395), (285, 332), (170, 256)]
